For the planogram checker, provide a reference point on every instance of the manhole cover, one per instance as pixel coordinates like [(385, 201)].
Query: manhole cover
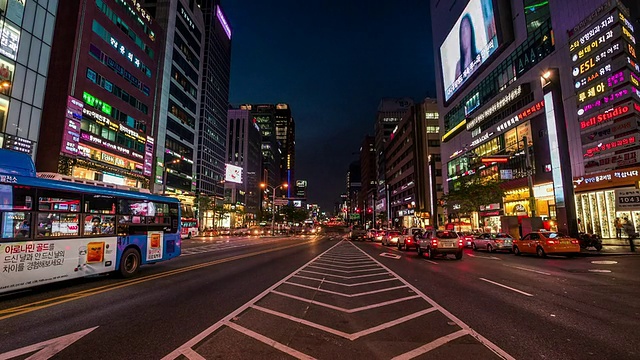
[(604, 262), (599, 271)]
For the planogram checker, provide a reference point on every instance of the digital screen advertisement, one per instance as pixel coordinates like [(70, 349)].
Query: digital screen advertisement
[(471, 41), (233, 174)]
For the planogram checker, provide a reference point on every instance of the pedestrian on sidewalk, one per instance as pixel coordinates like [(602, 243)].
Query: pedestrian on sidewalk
[(618, 225), (631, 232)]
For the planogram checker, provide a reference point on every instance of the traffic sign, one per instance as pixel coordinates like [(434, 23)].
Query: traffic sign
[(281, 202)]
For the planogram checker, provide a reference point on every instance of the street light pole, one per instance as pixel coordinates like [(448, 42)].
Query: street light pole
[(273, 204)]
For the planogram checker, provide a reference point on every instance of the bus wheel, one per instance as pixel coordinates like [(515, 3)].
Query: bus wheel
[(129, 263)]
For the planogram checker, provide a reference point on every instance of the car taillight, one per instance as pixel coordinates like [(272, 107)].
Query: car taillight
[(408, 240), (460, 242), (574, 242), (434, 242)]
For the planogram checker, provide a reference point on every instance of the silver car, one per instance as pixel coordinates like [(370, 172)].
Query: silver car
[(440, 242), (391, 237), (493, 242)]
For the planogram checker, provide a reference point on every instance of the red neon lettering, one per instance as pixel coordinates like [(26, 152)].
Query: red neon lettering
[(605, 117)]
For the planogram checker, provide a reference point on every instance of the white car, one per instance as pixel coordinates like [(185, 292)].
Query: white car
[(408, 238)]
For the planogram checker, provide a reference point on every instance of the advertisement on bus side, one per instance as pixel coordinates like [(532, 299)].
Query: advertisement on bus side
[(32, 263)]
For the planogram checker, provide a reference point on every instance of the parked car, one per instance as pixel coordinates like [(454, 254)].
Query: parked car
[(357, 233), (390, 237), (408, 238), (240, 232), (493, 242), (546, 242), (440, 242)]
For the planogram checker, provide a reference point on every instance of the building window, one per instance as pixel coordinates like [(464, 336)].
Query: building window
[(433, 143), (431, 115), (433, 129)]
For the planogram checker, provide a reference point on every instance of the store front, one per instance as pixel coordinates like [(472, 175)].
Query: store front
[(602, 198)]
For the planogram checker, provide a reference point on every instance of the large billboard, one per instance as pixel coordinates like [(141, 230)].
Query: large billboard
[(233, 174), (471, 41)]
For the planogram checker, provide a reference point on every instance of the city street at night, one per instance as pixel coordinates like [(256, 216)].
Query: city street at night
[(325, 297)]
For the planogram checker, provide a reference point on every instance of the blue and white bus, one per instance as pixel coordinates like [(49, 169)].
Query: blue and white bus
[(54, 228)]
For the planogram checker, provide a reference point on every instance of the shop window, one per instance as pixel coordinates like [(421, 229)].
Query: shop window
[(16, 224), (57, 224)]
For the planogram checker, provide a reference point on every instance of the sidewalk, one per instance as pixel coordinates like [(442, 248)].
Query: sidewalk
[(613, 247)]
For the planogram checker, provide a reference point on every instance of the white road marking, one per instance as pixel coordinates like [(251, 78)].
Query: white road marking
[(432, 345), (484, 257), (211, 329), (345, 267), (431, 261), (604, 262), (506, 287), (339, 283), (527, 269), (343, 294), (285, 349), (192, 354), (343, 277), (344, 263), (345, 335), (47, 349), (390, 255), (486, 342), (342, 271), (348, 311), (599, 270)]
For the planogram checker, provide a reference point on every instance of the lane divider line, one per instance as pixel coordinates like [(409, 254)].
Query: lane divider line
[(343, 277), (506, 287), (344, 267), (342, 271), (343, 284), (531, 270)]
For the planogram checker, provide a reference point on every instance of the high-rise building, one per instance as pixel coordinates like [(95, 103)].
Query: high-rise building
[(549, 106), (353, 189), (244, 158), (390, 112), (212, 134), (27, 36), (265, 117), (179, 100), (102, 94), (369, 190), (286, 135)]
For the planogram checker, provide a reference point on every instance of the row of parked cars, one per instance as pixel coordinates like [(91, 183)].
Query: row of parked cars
[(430, 243)]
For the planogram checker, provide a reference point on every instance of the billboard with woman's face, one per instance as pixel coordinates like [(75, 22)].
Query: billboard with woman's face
[(471, 41)]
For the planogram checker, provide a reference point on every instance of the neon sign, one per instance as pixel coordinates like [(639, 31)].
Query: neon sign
[(223, 21), (609, 115), (97, 103), (603, 25), (605, 100), (613, 145), (609, 162), (589, 48), (592, 62)]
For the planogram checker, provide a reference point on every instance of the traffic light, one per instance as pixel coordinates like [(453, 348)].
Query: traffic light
[(358, 210), (370, 210)]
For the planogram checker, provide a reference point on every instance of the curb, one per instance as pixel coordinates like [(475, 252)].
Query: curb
[(596, 254)]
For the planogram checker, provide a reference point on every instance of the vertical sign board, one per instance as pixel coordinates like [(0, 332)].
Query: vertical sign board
[(148, 156), (71, 134), (554, 151)]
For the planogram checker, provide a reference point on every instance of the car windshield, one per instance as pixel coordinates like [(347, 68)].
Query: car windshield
[(501, 236), (555, 235), (446, 235)]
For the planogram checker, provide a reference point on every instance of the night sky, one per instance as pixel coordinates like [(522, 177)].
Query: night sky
[(331, 61)]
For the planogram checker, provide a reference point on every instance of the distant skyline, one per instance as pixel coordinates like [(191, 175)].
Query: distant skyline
[(332, 62)]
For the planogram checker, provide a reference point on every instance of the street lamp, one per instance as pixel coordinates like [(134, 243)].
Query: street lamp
[(164, 175), (273, 203)]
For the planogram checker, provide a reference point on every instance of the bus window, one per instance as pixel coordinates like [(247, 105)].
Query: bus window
[(16, 225), (162, 209), (57, 224), (99, 204), (136, 207), (50, 200), (16, 198), (99, 224)]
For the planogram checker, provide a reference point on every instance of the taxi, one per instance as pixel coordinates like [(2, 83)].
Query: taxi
[(543, 243)]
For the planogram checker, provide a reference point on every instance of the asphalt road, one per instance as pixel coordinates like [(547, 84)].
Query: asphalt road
[(319, 297)]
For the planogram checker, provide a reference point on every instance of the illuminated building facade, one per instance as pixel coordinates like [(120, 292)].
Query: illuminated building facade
[(286, 136), (27, 36), (101, 99), (214, 102), (390, 112), (551, 85), (179, 98)]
